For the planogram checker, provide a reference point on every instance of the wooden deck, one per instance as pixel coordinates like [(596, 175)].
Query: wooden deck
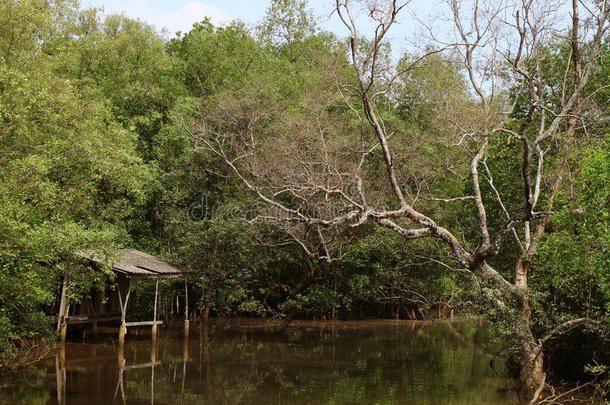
[(110, 303)]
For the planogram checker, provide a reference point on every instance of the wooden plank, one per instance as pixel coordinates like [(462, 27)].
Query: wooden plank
[(143, 365), (152, 276), (77, 319), (143, 323), (74, 363)]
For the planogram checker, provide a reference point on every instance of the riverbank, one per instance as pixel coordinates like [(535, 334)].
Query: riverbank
[(27, 351)]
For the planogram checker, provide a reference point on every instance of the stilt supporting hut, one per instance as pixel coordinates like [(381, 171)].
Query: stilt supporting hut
[(108, 305)]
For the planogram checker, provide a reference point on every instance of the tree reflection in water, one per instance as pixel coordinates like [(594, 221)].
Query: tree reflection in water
[(338, 363)]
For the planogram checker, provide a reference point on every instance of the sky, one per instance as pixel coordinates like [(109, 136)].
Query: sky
[(179, 15)]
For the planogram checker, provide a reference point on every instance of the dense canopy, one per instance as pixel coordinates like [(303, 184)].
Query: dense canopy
[(299, 174)]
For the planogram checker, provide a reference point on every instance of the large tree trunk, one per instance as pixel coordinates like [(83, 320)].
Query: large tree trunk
[(205, 311), (287, 320), (205, 316), (307, 279), (531, 375)]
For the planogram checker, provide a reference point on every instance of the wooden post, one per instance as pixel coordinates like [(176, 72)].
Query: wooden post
[(98, 307), (121, 364), (152, 383), (62, 302), (153, 360), (186, 309), (123, 328), (60, 372), (62, 324), (122, 332), (154, 327), (185, 356), (64, 330), (166, 309), (94, 311)]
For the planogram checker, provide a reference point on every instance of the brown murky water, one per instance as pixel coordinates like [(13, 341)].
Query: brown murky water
[(379, 362)]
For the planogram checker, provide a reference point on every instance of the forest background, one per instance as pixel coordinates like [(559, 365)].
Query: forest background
[(250, 155)]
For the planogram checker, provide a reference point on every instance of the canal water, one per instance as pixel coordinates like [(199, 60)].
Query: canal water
[(243, 362)]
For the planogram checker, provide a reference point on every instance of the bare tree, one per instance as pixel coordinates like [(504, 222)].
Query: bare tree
[(518, 36), (309, 177)]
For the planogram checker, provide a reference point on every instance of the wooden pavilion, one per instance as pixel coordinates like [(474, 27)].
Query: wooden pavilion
[(110, 304)]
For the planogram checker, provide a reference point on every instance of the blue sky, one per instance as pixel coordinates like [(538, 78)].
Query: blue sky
[(179, 15)]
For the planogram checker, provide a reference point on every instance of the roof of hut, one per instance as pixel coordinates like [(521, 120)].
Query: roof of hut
[(136, 264)]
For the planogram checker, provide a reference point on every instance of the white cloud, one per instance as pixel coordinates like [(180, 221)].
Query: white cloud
[(176, 20), (183, 19)]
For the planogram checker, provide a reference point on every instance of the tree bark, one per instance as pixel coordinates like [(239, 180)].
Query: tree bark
[(307, 279), (531, 374), (531, 360), (205, 313), (287, 320)]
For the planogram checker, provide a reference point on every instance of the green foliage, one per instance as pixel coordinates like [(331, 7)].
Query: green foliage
[(101, 123), (576, 251), (70, 175), (287, 27)]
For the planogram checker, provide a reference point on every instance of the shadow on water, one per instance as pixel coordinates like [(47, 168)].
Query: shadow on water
[(241, 362)]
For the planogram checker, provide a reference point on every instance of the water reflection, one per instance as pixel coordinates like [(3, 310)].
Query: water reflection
[(346, 363)]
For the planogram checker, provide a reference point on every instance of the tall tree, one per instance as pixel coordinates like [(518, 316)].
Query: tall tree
[(70, 175), (328, 173), (287, 25)]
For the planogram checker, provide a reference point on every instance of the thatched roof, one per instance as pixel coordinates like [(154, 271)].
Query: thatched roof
[(136, 264)]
